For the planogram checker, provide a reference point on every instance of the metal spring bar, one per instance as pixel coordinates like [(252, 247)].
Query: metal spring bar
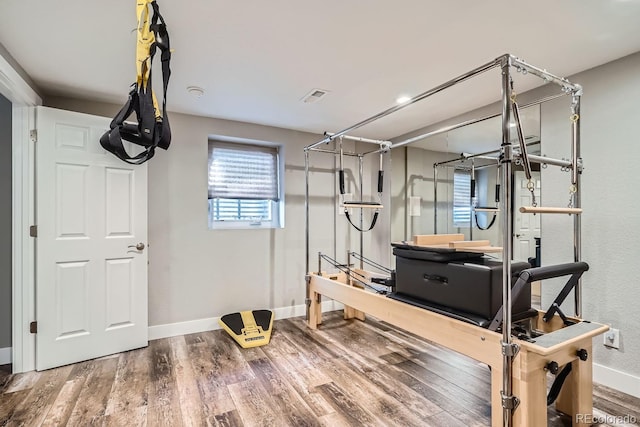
[(369, 262), (360, 278), (524, 157)]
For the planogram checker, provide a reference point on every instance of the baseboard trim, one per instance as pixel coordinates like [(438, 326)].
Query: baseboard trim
[(5, 355), (211, 323), (621, 381)]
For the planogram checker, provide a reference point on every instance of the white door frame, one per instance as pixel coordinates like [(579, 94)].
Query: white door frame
[(23, 98)]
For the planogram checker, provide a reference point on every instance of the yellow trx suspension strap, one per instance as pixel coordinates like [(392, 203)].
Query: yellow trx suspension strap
[(152, 128), (146, 38)]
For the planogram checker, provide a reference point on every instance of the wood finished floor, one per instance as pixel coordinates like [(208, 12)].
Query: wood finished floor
[(348, 373)]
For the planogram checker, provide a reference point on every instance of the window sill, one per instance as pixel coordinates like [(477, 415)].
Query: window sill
[(242, 225)]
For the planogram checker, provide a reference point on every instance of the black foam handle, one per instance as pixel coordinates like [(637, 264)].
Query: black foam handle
[(559, 270), (341, 177), (473, 188), (497, 193), (380, 180)]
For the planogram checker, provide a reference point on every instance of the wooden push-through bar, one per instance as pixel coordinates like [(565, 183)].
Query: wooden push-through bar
[(553, 210), (365, 205)]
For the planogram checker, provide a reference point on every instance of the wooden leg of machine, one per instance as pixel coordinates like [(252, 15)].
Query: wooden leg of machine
[(348, 312), (315, 311), (576, 397), (352, 313), (530, 387), (319, 309)]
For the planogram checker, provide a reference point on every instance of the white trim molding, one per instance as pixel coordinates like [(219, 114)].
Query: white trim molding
[(5, 355), (14, 87), (617, 380), (23, 97), (23, 271), (211, 323)]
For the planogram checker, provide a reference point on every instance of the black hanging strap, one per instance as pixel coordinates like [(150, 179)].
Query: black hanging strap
[(493, 220), (373, 220), (152, 128)]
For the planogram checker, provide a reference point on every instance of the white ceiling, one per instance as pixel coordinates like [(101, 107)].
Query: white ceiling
[(256, 59)]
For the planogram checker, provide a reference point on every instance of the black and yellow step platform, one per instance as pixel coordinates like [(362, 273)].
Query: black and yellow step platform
[(249, 328)]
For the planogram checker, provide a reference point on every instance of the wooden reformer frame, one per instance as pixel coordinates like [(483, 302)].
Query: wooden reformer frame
[(518, 375), (483, 345)]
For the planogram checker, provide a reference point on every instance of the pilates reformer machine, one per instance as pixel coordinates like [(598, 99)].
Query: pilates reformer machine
[(482, 308)]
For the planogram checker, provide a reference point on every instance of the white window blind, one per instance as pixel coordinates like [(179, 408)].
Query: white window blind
[(243, 171), (461, 198)]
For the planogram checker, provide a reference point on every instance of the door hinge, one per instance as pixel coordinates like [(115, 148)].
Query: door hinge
[(33, 134), (33, 231), (33, 327)]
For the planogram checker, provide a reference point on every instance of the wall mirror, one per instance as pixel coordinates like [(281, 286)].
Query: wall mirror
[(442, 170)]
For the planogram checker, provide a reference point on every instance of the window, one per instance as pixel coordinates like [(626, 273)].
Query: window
[(244, 186), (461, 198)]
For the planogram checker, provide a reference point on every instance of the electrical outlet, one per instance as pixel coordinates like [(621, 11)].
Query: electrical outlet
[(612, 338)]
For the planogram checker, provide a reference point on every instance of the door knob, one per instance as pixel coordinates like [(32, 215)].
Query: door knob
[(139, 246)]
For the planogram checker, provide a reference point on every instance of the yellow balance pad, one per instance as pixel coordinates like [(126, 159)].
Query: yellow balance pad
[(249, 328)]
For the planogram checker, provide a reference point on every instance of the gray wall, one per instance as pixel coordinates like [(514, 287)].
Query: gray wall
[(611, 219), (5, 222), (197, 273)]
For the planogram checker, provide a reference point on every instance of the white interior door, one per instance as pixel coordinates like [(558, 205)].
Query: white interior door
[(527, 226), (91, 212)]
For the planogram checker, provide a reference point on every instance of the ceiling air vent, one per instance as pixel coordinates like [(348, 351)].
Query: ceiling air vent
[(314, 96)]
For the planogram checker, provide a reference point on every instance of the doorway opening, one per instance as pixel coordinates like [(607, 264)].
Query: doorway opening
[(5, 237)]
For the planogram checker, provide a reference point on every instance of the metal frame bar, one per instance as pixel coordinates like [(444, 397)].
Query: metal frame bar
[(361, 177), (507, 156), (549, 161), (520, 65), (524, 156), (507, 242), (461, 78), (471, 196), (468, 122), (435, 199), (532, 159), (359, 139), (346, 153), (306, 234), (467, 168), (577, 200)]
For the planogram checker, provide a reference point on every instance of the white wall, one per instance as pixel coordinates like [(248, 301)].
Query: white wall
[(5, 223)]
